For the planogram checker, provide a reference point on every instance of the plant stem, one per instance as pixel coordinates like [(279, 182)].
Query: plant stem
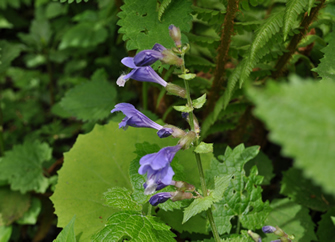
[(238, 226), (198, 159), (149, 209), (2, 143)]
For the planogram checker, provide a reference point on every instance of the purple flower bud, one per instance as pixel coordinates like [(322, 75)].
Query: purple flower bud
[(135, 118), (158, 169), (175, 35), (159, 198), (143, 74), (277, 240), (269, 229), (255, 236), (147, 57), (158, 47)]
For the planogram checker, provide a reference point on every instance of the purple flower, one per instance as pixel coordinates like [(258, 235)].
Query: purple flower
[(158, 169), (269, 229), (135, 118), (159, 198), (143, 74), (147, 57)]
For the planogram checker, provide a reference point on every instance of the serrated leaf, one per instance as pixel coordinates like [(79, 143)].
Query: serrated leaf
[(67, 234), (243, 237), (98, 161), (203, 148), (142, 29), (199, 102), (120, 198), (185, 109), (22, 167), (12, 205), (292, 218), (326, 68), (326, 229), (83, 34), (188, 76), (91, 100), (30, 217), (243, 197), (135, 227), (303, 191), (309, 109)]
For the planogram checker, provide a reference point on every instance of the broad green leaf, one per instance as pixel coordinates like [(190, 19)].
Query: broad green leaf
[(91, 100), (204, 203), (142, 29), (4, 23), (12, 205), (100, 160), (326, 68), (203, 148), (30, 217), (264, 167), (199, 102), (8, 52), (5, 232), (55, 9), (120, 198), (243, 196), (308, 110), (84, 34), (187, 77), (67, 234), (135, 227), (302, 191), (185, 109), (326, 229), (292, 218), (22, 167)]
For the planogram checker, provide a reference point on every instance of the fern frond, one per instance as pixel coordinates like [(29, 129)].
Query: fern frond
[(211, 16), (263, 35), (162, 7), (293, 9)]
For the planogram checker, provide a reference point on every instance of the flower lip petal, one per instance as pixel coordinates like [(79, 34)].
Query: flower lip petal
[(129, 62), (147, 57)]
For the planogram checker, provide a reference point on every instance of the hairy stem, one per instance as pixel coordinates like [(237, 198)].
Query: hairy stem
[(292, 46), (198, 159), (227, 31)]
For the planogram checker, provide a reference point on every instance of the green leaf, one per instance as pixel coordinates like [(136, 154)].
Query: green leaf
[(307, 138), (185, 108), (142, 29), (120, 198), (204, 203), (8, 52), (292, 218), (243, 237), (326, 68), (67, 234), (188, 76), (243, 197), (199, 102), (5, 232), (304, 192), (91, 100), (162, 7), (98, 161), (134, 226), (84, 34), (264, 167), (22, 167), (204, 148), (30, 217), (326, 229), (12, 205)]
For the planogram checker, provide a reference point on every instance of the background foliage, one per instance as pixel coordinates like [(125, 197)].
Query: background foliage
[(267, 69)]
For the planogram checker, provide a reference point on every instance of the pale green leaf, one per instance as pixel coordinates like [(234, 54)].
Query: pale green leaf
[(326, 228), (12, 205), (308, 111), (22, 167), (188, 76), (120, 198), (141, 28), (292, 218), (92, 100), (67, 234), (5, 232), (135, 227), (30, 217), (203, 148), (185, 109), (199, 102), (302, 191)]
